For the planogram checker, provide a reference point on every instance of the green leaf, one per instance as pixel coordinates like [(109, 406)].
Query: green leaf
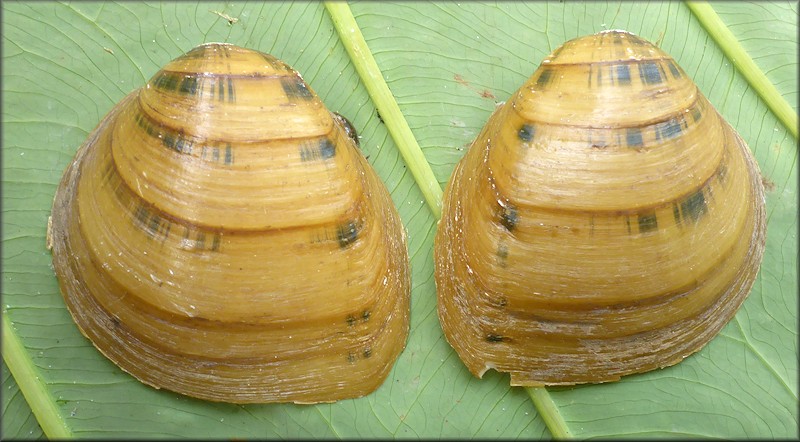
[(446, 64), (735, 52), (18, 420), (42, 406)]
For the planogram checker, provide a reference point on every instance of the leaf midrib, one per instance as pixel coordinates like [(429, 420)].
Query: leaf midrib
[(25, 373)]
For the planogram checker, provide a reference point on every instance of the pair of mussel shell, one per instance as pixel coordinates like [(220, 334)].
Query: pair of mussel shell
[(220, 235)]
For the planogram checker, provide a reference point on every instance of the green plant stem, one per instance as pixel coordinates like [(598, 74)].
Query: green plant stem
[(367, 68), (25, 374), (729, 44), (549, 411)]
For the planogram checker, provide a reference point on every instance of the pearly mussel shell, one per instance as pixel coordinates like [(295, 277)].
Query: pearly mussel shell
[(221, 236), (606, 221)]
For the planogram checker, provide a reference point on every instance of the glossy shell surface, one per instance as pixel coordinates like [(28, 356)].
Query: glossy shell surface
[(221, 236), (606, 221)]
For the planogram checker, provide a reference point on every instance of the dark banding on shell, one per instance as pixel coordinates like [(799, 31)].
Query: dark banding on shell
[(218, 230), (606, 221)]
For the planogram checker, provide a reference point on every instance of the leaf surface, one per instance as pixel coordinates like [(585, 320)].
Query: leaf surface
[(18, 420)]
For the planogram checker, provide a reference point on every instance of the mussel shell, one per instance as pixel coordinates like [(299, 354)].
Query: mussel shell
[(606, 221), (220, 235)]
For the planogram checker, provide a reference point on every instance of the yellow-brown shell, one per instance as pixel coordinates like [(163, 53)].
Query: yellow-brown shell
[(606, 221), (220, 235)]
